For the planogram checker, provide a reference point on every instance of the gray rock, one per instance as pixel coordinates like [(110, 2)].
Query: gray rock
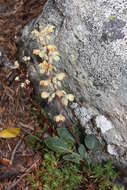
[(111, 149), (83, 114), (104, 124), (91, 37)]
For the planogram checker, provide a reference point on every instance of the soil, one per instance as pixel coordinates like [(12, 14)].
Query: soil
[(14, 101), (15, 107)]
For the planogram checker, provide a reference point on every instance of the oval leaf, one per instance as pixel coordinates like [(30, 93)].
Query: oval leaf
[(65, 135), (74, 157), (92, 142), (82, 151), (56, 144), (9, 133)]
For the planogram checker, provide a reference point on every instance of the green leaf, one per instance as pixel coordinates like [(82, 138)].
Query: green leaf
[(30, 141), (82, 151), (92, 142), (56, 144), (65, 135), (74, 157), (118, 187)]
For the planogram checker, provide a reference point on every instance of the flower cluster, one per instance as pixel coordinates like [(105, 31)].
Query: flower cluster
[(52, 86)]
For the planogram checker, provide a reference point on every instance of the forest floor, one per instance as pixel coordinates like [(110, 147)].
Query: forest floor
[(16, 159), (20, 157)]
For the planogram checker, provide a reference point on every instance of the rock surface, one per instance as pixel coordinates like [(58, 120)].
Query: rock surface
[(91, 37)]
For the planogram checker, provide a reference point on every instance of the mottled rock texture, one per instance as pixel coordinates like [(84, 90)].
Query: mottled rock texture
[(91, 36)]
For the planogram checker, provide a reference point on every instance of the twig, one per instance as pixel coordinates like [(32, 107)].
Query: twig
[(71, 131), (22, 176), (27, 132), (68, 125), (26, 126), (14, 151)]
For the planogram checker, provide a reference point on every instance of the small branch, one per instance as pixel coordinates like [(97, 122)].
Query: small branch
[(26, 126), (14, 151), (37, 138), (68, 125), (22, 176), (71, 131)]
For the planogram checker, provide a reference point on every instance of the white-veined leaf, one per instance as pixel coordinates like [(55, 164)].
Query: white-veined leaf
[(56, 144)]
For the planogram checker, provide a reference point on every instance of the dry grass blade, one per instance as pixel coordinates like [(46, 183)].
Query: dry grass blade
[(22, 176)]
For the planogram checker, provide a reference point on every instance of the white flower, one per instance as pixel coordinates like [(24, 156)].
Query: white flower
[(27, 81), (70, 97), (23, 85), (16, 65), (45, 95), (25, 58), (61, 76), (59, 118), (17, 78)]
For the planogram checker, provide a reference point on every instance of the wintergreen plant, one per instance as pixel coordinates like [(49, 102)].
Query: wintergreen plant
[(52, 89), (52, 85)]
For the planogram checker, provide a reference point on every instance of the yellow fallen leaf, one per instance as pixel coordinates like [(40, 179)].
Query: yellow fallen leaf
[(9, 133)]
